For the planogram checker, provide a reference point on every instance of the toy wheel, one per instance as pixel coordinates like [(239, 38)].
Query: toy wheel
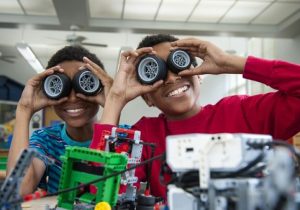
[(57, 86), (87, 83), (143, 200), (179, 60), (151, 69), (144, 207)]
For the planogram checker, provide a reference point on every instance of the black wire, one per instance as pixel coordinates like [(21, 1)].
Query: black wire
[(251, 164), (106, 177), (149, 166), (281, 202), (254, 172), (91, 182), (290, 147), (149, 169), (132, 141), (188, 179), (165, 169), (191, 178), (277, 142), (196, 195)]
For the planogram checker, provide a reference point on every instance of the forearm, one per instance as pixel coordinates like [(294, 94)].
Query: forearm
[(20, 137), (112, 111), (234, 64), (19, 143), (30, 181)]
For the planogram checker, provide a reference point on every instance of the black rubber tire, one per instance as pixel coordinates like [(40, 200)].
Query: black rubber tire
[(138, 207), (151, 69), (179, 60), (57, 86), (143, 200), (86, 82)]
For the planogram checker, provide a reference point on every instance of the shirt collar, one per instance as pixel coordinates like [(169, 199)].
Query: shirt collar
[(71, 142)]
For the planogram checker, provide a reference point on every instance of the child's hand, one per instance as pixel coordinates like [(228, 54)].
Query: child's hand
[(126, 87), (105, 79), (33, 99), (215, 60)]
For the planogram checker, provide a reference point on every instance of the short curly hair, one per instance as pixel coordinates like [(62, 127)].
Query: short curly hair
[(73, 53), (151, 40)]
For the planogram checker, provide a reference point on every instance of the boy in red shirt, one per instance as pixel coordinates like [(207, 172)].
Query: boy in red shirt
[(276, 113)]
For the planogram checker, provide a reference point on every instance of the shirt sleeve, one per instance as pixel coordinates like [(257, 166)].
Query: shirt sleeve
[(38, 143), (280, 75), (276, 113)]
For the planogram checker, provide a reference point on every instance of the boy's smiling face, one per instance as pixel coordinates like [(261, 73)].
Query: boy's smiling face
[(177, 97), (75, 111)]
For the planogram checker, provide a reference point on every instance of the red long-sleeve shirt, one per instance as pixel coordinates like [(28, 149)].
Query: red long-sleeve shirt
[(276, 113)]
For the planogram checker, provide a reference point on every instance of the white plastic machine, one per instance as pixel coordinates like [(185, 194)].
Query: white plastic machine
[(220, 171), (224, 152)]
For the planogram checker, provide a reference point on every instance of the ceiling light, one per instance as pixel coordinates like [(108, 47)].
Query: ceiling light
[(29, 56)]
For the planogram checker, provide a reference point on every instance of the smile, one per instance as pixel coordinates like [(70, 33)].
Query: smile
[(73, 111), (178, 91)]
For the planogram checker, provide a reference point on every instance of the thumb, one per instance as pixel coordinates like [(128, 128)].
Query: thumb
[(194, 71)]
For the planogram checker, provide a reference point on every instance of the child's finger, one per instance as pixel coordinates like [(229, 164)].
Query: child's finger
[(191, 72), (189, 42), (39, 77), (91, 63)]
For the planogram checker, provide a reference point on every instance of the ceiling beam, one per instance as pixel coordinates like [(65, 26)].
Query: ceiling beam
[(288, 29), (148, 27), (183, 28), (28, 19)]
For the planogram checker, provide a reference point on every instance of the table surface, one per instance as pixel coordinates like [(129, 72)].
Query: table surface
[(40, 204)]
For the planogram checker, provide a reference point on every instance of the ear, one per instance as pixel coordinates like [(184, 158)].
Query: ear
[(148, 100)]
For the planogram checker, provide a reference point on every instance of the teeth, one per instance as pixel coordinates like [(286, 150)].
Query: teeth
[(178, 91), (74, 110)]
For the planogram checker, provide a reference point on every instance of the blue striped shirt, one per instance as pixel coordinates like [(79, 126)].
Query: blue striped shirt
[(51, 142)]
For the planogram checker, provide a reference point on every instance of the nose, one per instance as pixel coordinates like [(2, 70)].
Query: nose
[(72, 96), (172, 78)]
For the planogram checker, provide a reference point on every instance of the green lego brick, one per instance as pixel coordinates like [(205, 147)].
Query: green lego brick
[(86, 198), (3, 162), (107, 190)]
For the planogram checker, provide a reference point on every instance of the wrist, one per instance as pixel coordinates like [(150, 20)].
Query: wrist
[(235, 64), (23, 112), (117, 100), (112, 110)]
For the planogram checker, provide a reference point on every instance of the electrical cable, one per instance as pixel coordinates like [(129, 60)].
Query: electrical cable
[(239, 172), (189, 181), (149, 166), (191, 178), (273, 143), (132, 141), (292, 148), (165, 170), (149, 169), (91, 182)]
